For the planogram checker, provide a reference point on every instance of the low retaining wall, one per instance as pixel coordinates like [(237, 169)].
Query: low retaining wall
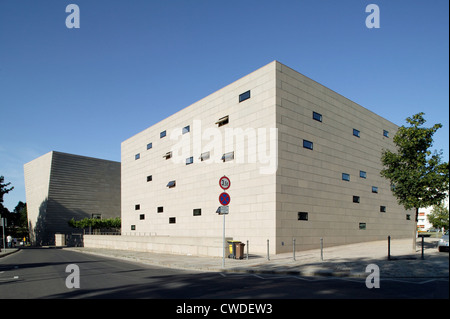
[(201, 246)]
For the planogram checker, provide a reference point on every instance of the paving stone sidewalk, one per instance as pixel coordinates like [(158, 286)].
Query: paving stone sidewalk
[(344, 261)]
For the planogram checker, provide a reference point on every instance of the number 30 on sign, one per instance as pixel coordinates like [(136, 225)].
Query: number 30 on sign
[(224, 182)]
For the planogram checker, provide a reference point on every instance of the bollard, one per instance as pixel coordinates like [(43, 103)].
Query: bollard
[(422, 249), (389, 247), (268, 256), (321, 249), (247, 249), (293, 248)]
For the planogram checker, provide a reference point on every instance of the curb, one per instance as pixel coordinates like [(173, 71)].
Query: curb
[(8, 253)]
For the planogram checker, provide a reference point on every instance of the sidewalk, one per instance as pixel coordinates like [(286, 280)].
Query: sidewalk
[(7, 251), (343, 261)]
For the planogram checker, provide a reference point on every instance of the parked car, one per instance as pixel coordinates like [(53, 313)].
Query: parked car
[(443, 242)]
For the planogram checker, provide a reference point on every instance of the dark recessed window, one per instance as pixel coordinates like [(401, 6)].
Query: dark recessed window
[(149, 178), (408, 217), (356, 199), (345, 177), (189, 160), (149, 145), (142, 216), (228, 156), (137, 156), (197, 212), (204, 156), (137, 207), (160, 209), (356, 132), (167, 155), (302, 216), (317, 116), (222, 121), (133, 227), (171, 184), (244, 96), (362, 174), (385, 133), (362, 226), (382, 209), (375, 189), (308, 144), (162, 134), (186, 129), (172, 220)]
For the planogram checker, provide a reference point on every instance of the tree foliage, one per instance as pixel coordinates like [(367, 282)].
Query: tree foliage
[(439, 216), (95, 223), (4, 188), (418, 177)]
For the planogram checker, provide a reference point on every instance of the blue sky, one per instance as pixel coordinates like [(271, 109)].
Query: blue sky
[(133, 63)]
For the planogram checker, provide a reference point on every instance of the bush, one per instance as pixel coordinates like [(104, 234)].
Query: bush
[(95, 223)]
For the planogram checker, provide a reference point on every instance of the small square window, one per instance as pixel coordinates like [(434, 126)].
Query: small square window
[(317, 116), (186, 129), (345, 177), (302, 216), (204, 156), (133, 227), (137, 207), (244, 96), (382, 209), (228, 157), (356, 133), (362, 226), (362, 174), (197, 212), (307, 144), (162, 134), (149, 178), (171, 184), (385, 133), (222, 121), (374, 189), (356, 199), (189, 160), (172, 220), (137, 156), (149, 145), (142, 216), (160, 209), (408, 217)]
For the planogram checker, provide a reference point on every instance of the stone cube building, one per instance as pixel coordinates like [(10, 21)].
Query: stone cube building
[(303, 161), (62, 186)]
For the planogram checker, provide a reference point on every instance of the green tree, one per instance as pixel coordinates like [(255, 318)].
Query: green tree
[(4, 188), (439, 216), (418, 176)]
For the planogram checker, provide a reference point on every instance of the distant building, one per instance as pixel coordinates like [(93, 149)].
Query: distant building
[(62, 186), (303, 161)]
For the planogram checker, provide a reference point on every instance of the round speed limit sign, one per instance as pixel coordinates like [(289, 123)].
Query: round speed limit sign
[(224, 182)]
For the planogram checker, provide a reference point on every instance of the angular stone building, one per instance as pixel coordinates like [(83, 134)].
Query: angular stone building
[(62, 186), (303, 161)]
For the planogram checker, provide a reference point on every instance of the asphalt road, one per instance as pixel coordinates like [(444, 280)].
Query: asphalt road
[(41, 273)]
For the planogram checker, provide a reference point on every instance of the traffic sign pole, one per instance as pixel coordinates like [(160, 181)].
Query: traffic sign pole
[(224, 199), (224, 243)]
